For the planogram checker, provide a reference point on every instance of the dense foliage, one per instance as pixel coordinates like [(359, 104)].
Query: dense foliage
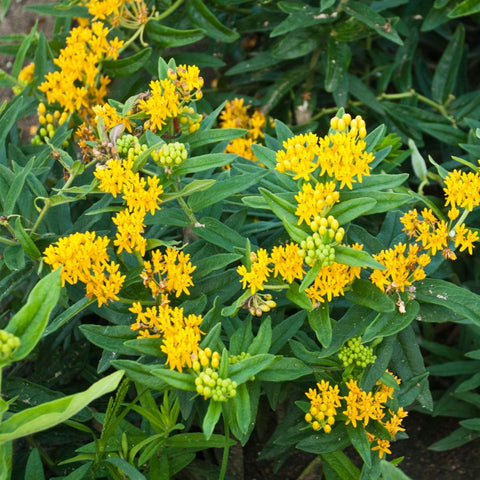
[(226, 209)]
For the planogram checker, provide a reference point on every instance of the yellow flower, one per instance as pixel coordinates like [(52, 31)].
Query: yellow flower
[(462, 190), (173, 270), (162, 105), (313, 202), (235, 115), (323, 406), (130, 228), (343, 158), (257, 276), (115, 176), (287, 262), (84, 258), (401, 269), (299, 156), (111, 117), (180, 334), (331, 281), (464, 238)]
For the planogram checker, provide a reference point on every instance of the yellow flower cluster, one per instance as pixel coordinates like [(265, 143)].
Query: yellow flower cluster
[(284, 261), (363, 407), (313, 202), (24, 78), (461, 190), (323, 406), (341, 155), (78, 84), (117, 177), (180, 333), (235, 115), (167, 99), (111, 117), (360, 406), (102, 9), (402, 267), (84, 258), (167, 273), (331, 280)]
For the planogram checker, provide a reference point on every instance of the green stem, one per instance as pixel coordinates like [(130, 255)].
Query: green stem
[(169, 10), (7, 241), (41, 216), (184, 205), (461, 219), (226, 449)]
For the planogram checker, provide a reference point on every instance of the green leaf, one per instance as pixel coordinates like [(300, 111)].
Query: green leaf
[(359, 440), (204, 19), (211, 418), (22, 51), (30, 321), (392, 472), (465, 8), (363, 292), (207, 137), (197, 441), (296, 44), (110, 338), (124, 67), (258, 62), (182, 381), (320, 443), (261, 343), (265, 155), (140, 373), (460, 300), (168, 37), (349, 210), (356, 258), (298, 297), (25, 241), (126, 468), (47, 415), (245, 369), (34, 467), (284, 370), (241, 403), (189, 189), (418, 162), (217, 233), (58, 10), (389, 323), (446, 73), (338, 61), (222, 190), (381, 181), (375, 21), (457, 438), (14, 257), (17, 187), (320, 323), (204, 162)]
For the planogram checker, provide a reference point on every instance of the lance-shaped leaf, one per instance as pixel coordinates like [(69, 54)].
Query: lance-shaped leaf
[(127, 66), (47, 415), (30, 321), (356, 258)]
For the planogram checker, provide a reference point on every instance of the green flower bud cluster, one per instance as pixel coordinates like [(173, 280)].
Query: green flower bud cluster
[(211, 386), (49, 122), (356, 354), (208, 383), (232, 359), (171, 154), (318, 246), (8, 344), (129, 146), (189, 120)]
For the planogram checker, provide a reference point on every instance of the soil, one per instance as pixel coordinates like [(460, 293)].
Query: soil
[(419, 462)]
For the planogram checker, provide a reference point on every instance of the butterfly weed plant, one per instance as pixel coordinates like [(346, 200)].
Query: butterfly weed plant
[(221, 262)]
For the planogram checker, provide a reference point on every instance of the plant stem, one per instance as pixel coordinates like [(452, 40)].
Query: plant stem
[(169, 10), (310, 468), (6, 241), (41, 216), (226, 449)]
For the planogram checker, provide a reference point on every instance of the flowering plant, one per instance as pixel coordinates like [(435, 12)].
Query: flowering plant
[(221, 262)]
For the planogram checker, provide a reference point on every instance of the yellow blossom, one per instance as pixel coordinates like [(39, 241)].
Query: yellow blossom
[(130, 229), (313, 202), (84, 258), (331, 281), (461, 190), (111, 117), (162, 105), (257, 276), (287, 262), (299, 156), (401, 268)]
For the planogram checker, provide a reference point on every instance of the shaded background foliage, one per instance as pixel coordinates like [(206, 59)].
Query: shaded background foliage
[(412, 66)]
